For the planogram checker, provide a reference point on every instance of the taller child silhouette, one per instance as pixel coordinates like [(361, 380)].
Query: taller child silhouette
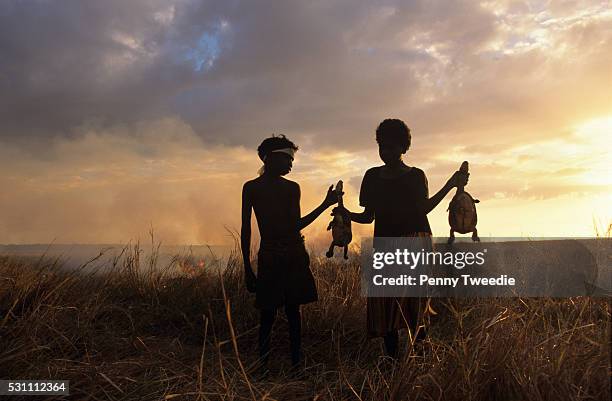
[(396, 198)]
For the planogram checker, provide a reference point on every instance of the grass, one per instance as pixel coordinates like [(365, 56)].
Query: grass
[(149, 332)]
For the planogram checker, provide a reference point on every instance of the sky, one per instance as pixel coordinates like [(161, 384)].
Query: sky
[(121, 116)]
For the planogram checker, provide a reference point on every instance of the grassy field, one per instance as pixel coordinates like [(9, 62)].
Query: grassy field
[(187, 332)]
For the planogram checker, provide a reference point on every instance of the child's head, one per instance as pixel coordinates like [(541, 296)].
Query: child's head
[(277, 154), (393, 137)]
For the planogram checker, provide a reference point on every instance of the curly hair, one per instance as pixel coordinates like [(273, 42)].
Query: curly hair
[(394, 131), (274, 143)]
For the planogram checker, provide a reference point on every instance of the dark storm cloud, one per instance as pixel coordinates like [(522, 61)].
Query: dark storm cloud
[(63, 63), (238, 70), (329, 69), (232, 70)]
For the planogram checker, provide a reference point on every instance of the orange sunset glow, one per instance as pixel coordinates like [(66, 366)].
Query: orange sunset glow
[(148, 114)]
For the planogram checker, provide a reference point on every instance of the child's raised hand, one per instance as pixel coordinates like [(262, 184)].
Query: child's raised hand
[(332, 197), (458, 179)]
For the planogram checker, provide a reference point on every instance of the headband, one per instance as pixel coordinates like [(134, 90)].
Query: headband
[(288, 151)]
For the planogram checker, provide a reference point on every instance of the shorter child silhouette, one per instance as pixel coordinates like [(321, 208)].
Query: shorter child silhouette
[(283, 276)]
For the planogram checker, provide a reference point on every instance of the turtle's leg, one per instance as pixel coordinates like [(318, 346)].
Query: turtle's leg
[(451, 238), (475, 235), (330, 251), (345, 251)]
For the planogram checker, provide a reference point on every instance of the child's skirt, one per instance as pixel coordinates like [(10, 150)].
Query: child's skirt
[(385, 315), (283, 274)]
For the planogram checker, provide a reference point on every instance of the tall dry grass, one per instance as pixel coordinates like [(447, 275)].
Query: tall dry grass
[(149, 332)]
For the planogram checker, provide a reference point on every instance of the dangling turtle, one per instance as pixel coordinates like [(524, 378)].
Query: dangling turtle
[(462, 212), (340, 226)]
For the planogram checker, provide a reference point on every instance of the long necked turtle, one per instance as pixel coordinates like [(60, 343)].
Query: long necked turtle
[(462, 215), (340, 226)]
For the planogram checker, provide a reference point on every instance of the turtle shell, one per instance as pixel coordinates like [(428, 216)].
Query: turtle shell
[(462, 213), (341, 227)]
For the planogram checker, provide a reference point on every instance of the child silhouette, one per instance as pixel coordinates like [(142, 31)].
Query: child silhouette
[(283, 276), (396, 198)]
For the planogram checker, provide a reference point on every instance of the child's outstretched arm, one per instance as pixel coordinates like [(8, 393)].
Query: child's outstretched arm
[(458, 179), (330, 199), (365, 217), (245, 239), (365, 196)]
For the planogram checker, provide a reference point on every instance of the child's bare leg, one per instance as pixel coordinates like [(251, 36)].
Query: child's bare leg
[(295, 332), (416, 310), (330, 251), (267, 317), (391, 341)]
